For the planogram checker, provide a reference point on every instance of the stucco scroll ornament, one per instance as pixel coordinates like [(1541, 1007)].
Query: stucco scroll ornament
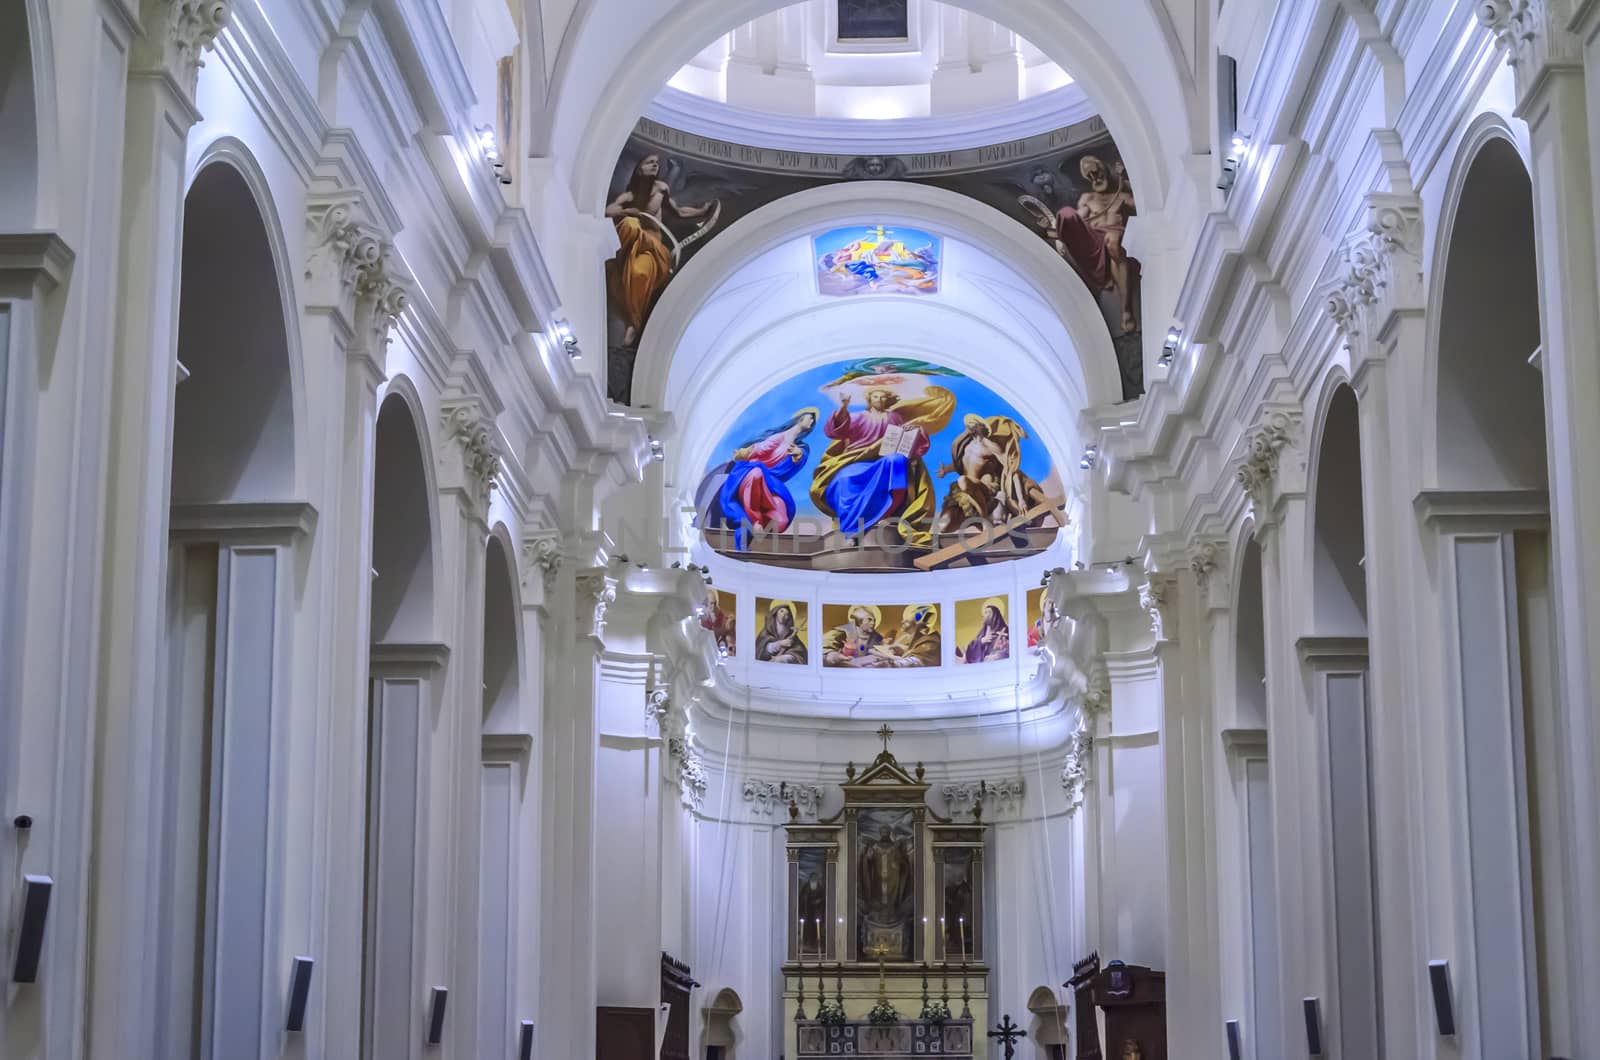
[(657, 704), (596, 592), (467, 426), (349, 259), (1075, 771), (767, 797), (1533, 32), (1003, 795), (1207, 557), (1260, 467), (544, 555), (691, 772), (1158, 596), (177, 34)]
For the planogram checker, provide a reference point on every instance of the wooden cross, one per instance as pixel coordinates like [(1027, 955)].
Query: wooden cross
[(884, 734), (1008, 1033)]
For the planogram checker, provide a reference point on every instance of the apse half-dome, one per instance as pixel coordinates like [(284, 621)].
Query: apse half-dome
[(880, 464)]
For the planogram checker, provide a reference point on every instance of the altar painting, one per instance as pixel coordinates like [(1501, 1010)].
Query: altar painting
[(879, 463), (881, 636), (811, 901), (876, 259), (983, 630), (886, 883), (958, 921), (781, 632)]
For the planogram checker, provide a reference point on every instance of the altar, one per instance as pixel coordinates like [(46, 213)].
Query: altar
[(886, 922)]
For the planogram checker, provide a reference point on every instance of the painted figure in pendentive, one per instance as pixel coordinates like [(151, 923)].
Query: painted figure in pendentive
[(649, 253), (1090, 235), (779, 640), (991, 485)]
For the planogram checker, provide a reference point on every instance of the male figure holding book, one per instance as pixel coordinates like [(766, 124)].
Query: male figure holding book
[(873, 470)]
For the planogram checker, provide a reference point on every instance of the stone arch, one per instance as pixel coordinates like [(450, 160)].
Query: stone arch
[(1338, 526), (502, 635), (1487, 398), (633, 72), (404, 520), (233, 436)]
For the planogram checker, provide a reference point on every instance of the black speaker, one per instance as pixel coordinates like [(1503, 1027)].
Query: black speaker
[(1444, 1006), (436, 1015), (525, 1041), (1235, 1048), (1313, 1011), (30, 936), (299, 993)]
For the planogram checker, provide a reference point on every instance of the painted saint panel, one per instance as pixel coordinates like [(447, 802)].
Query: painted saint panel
[(879, 464), (781, 632), (983, 630), (886, 883), (881, 636), (1035, 619), (877, 259), (721, 618), (673, 192)]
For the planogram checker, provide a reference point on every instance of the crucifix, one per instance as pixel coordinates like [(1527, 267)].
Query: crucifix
[(1007, 1034), (884, 734)]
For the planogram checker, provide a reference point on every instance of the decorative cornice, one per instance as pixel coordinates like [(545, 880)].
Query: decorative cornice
[(1003, 795), (466, 425), (767, 797), (1260, 467), (596, 592)]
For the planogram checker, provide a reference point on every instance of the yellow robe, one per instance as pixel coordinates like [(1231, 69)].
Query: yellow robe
[(639, 272), (932, 413)]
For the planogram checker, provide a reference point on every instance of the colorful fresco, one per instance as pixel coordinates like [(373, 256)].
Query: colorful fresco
[(673, 192), (983, 630), (781, 632), (721, 618), (876, 259), (1035, 619), (881, 636), (879, 464)]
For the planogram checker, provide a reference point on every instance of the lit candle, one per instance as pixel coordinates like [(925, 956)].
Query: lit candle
[(944, 940), (961, 923), (817, 927), (802, 940)]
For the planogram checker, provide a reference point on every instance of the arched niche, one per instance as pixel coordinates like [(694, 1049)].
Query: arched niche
[(1049, 1019), (1338, 573), (1490, 400), (502, 671), (721, 1035), (1250, 646), (402, 529), (233, 419), (24, 92)]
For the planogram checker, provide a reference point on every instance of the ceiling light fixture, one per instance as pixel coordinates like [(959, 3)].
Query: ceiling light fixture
[(1238, 147), (1091, 457), (567, 338), (658, 452)]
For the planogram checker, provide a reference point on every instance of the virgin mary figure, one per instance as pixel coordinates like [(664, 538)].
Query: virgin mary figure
[(874, 471), (749, 491)]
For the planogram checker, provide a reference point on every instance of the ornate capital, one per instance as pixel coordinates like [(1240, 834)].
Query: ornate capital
[(542, 554), (348, 266), (1534, 34), (1260, 468), (1206, 558), (1381, 266), (596, 592), (1159, 596), (1003, 795), (467, 426), (657, 704), (766, 797), (177, 33)]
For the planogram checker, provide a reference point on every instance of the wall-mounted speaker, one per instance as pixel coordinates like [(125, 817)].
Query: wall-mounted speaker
[(30, 936), (1235, 1047), (525, 1041), (1313, 1012), (299, 994), (1444, 1005), (436, 1015)]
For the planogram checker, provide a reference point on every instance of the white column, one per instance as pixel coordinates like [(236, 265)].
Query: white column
[(502, 778), (406, 680), (1336, 674)]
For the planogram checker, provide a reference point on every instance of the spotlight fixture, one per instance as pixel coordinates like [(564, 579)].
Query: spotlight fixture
[(490, 149), (567, 338), (1091, 457), (658, 452), (1238, 144), (1169, 347)]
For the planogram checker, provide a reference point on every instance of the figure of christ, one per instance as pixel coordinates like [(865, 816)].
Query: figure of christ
[(643, 265), (861, 486), (1090, 236)]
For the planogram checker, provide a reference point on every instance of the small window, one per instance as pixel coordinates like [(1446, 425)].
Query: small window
[(865, 20)]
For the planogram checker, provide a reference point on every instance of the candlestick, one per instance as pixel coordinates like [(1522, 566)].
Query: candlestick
[(838, 985), (800, 1003), (966, 1009)]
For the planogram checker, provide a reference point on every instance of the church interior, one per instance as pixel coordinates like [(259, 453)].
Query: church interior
[(459, 460)]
